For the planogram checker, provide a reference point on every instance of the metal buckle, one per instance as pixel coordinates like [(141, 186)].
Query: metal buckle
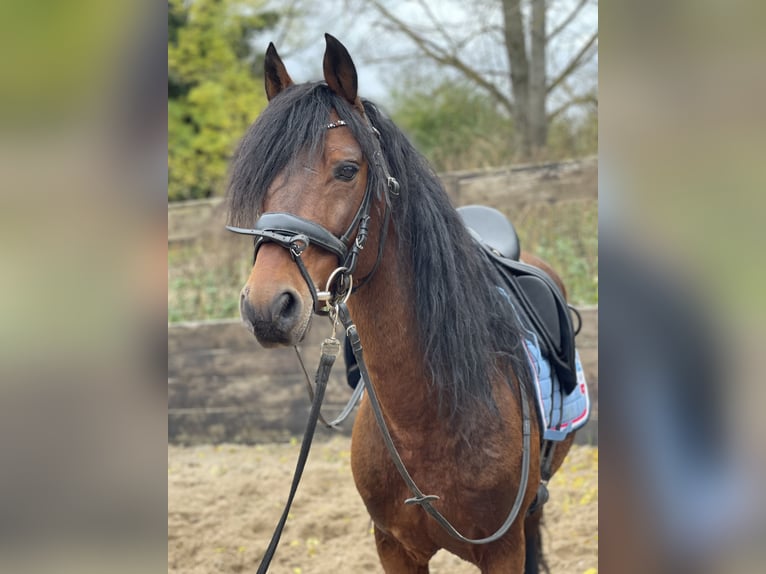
[(393, 186), (298, 244)]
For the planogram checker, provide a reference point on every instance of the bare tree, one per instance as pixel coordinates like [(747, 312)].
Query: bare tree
[(544, 43)]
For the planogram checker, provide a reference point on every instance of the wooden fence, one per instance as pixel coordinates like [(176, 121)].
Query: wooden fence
[(517, 186), (223, 387)]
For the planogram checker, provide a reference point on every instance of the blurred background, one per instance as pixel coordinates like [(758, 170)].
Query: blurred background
[(85, 102), (681, 202), (83, 140)]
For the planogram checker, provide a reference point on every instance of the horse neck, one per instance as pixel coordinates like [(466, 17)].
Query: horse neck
[(385, 315)]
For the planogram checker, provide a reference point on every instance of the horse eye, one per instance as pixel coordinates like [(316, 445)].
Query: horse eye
[(346, 172)]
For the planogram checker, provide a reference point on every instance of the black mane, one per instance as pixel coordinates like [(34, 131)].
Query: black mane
[(292, 124), (468, 331)]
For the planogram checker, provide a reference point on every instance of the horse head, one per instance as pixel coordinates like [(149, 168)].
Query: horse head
[(313, 215)]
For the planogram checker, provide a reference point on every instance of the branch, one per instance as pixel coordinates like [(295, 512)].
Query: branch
[(567, 21), (288, 13), (395, 57), (577, 101), (443, 57), (575, 63), (494, 72), (483, 30), (438, 25)]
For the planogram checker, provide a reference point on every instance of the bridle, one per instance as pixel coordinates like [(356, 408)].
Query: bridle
[(296, 233)]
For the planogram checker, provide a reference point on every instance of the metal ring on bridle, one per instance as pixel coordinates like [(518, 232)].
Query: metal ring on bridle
[(340, 272)]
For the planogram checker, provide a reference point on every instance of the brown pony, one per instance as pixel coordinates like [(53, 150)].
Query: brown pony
[(442, 345)]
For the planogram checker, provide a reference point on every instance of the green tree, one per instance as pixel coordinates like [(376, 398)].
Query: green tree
[(458, 126), (215, 88), (577, 136), (454, 125)]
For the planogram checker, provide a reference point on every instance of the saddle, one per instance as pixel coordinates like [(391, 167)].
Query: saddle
[(536, 297)]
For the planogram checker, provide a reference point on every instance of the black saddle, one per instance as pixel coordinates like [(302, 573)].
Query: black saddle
[(492, 229), (538, 299)]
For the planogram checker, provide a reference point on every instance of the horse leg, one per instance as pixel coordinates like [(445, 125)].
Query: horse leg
[(508, 563), (394, 557), (505, 558), (535, 560)]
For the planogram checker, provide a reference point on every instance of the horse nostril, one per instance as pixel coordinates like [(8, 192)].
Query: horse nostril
[(285, 306), (276, 321)]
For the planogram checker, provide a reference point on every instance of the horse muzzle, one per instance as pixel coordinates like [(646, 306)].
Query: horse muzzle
[(278, 320)]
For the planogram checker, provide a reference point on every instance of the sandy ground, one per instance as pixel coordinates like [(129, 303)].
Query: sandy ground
[(224, 501)]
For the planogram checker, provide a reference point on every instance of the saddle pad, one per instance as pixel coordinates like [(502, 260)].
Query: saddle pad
[(559, 414)]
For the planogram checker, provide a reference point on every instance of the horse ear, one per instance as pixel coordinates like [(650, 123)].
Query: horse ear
[(340, 73), (275, 73)]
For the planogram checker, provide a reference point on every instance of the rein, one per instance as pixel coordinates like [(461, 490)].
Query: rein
[(425, 500), (352, 401), (330, 350)]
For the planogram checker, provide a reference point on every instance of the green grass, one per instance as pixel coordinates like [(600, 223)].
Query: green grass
[(203, 284), (205, 278), (565, 235)]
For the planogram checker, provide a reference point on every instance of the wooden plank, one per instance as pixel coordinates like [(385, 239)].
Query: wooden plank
[(187, 218), (224, 387)]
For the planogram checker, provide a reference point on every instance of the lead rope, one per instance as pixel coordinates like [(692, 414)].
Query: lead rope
[(330, 351), (424, 500)]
